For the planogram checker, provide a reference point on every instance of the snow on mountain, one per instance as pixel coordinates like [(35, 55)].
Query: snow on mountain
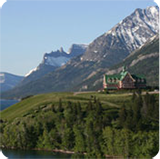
[(128, 35), (137, 28), (31, 71), (54, 60)]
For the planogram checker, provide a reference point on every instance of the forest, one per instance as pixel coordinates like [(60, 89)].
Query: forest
[(89, 130)]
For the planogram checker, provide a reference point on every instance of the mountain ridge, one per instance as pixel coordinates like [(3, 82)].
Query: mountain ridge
[(103, 53), (8, 81), (53, 60)]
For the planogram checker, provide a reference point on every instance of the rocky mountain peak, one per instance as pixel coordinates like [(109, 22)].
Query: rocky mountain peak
[(53, 60), (128, 35), (61, 49), (77, 49), (152, 9)]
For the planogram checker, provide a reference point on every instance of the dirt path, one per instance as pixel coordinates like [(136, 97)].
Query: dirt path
[(143, 93), (76, 93)]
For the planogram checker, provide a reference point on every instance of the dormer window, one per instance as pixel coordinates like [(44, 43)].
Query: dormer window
[(109, 80), (138, 80)]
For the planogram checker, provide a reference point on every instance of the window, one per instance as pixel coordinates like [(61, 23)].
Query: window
[(138, 80), (109, 80)]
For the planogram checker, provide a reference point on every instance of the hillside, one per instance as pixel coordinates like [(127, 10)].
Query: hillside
[(32, 103), (90, 124)]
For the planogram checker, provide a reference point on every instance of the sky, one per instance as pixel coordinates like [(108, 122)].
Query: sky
[(31, 28)]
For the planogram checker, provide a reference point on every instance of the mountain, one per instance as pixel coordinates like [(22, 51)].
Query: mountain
[(143, 61), (104, 52), (124, 38), (52, 61), (8, 81)]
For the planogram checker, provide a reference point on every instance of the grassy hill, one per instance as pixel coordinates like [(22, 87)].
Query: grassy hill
[(46, 100)]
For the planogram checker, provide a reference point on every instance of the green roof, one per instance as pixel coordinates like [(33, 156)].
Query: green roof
[(123, 74), (139, 77), (111, 78), (115, 78)]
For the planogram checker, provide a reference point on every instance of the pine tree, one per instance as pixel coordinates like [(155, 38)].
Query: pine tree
[(60, 109), (122, 115), (79, 139), (137, 109)]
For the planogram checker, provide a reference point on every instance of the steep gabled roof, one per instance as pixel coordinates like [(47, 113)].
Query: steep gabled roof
[(139, 77), (115, 78), (123, 74)]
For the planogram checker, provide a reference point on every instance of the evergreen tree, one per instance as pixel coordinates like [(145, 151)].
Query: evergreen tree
[(129, 120), (79, 140), (122, 115), (137, 107), (67, 138), (60, 108)]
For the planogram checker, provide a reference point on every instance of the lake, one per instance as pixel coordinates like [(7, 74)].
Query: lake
[(6, 103), (31, 154)]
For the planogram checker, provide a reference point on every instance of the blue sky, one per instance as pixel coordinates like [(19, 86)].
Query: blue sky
[(31, 28)]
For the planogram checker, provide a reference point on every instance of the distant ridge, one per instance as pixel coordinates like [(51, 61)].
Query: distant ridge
[(9, 81)]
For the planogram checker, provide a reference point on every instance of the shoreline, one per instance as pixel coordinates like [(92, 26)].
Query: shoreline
[(55, 150), (43, 149), (60, 151)]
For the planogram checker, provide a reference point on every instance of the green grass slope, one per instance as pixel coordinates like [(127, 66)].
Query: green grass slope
[(46, 100)]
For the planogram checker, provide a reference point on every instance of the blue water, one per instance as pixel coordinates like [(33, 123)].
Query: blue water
[(31, 154), (6, 103)]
